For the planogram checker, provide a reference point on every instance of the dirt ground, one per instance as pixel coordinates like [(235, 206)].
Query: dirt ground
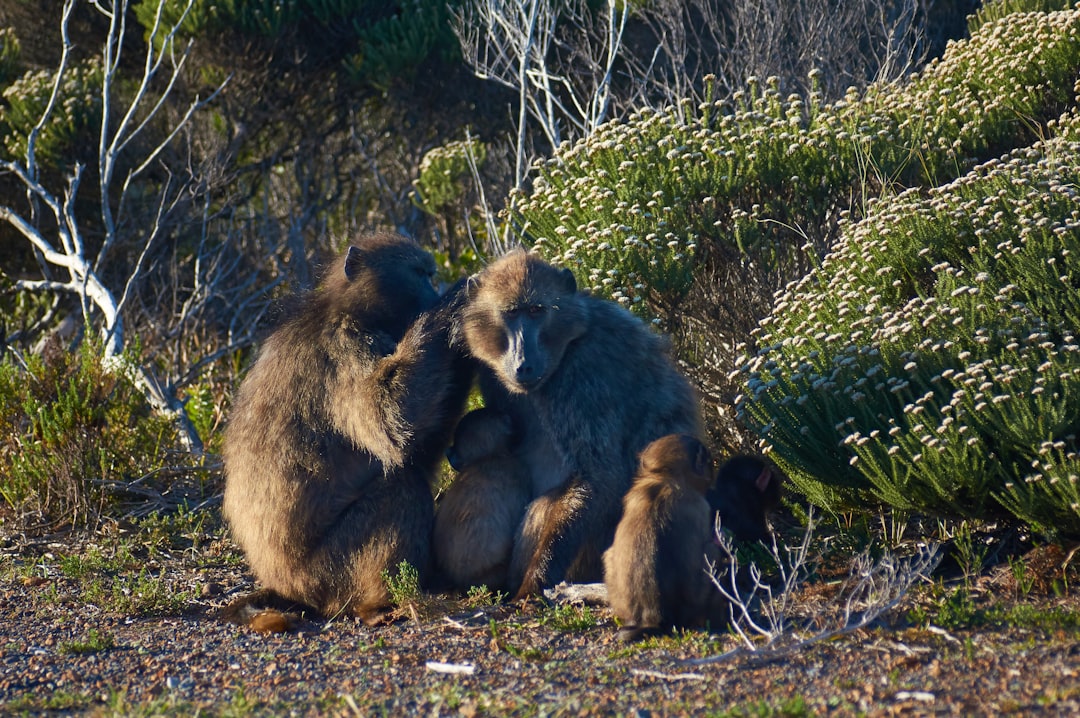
[(63, 653)]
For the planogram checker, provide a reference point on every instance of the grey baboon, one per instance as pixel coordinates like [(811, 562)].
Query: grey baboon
[(594, 384), (338, 428), (655, 570), (747, 489), (480, 511)]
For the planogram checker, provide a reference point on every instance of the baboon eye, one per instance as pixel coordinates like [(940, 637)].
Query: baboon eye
[(535, 310)]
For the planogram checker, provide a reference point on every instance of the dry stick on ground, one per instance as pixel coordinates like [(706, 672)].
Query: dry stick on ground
[(758, 611)]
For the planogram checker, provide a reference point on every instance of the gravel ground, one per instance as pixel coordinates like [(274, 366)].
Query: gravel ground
[(492, 660)]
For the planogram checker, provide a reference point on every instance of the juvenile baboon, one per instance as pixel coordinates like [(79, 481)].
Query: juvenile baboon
[(655, 570), (480, 511), (338, 428), (747, 488), (594, 384)]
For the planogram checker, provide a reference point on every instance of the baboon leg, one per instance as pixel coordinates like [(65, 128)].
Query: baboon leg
[(555, 530)]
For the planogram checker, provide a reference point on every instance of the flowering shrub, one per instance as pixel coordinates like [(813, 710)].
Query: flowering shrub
[(73, 120), (931, 362), (634, 206)]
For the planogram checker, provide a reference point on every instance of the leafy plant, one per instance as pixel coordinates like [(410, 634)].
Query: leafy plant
[(78, 439), (95, 642), (402, 583), (929, 364)]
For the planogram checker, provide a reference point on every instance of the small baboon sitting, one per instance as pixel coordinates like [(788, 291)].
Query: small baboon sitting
[(480, 511), (656, 569), (747, 489), (338, 428), (594, 384)]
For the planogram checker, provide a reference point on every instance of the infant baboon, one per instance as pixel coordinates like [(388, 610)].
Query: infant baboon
[(594, 384), (747, 488), (655, 570), (336, 432), (478, 515)]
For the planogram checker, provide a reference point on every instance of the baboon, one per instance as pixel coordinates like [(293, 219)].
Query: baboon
[(593, 384), (747, 488), (338, 428), (480, 511), (655, 570)]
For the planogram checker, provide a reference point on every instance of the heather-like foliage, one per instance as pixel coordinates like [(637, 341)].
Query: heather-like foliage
[(70, 129), (376, 42), (632, 206), (931, 362), (10, 51), (75, 437)]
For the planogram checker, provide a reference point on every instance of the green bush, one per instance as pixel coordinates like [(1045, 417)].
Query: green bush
[(10, 51), (994, 10), (75, 117), (74, 435), (633, 206), (931, 362), (377, 43)]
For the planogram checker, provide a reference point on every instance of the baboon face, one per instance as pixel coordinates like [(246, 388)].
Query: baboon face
[(521, 316), (679, 455), (390, 279), (480, 434), (747, 489)]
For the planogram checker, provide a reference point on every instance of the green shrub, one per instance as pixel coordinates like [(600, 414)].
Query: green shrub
[(994, 10), (377, 43), (75, 117), (74, 436), (10, 51), (632, 207), (931, 362)]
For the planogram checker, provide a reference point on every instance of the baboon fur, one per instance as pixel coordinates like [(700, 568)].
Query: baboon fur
[(747, 489), (655, 570), (337, 430), (480, 511), (593, 384)]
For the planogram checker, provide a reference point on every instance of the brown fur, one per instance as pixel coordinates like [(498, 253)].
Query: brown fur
[(747, 489), (336, 432), (480, 511), (655, 570), (593, 384)]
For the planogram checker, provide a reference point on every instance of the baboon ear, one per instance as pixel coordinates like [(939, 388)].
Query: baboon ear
[(569, 283), (702, 460), (472, 283), (354, 262), (762, 481)]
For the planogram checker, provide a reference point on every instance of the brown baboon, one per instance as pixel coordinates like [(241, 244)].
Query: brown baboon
[(655, 570), (594, 384), (747, 488), (477, 516), (338, 429)]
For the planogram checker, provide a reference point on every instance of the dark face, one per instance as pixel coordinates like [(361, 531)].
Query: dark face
[(521, 320), (747, 489)]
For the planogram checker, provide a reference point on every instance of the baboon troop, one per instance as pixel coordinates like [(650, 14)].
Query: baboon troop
[(656, 568), (584, 464), (480, 511), (595, 385), (338, 429)]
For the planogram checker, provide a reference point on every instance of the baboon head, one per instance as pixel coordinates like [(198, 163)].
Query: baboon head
[(387, 280), (747, 489), (480, 434), (521, 315), (679, 455)]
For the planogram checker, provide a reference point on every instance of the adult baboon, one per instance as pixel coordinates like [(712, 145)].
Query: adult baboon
[(655, 570), (338, 428), (596, 385), (747, 488), (480, 511)]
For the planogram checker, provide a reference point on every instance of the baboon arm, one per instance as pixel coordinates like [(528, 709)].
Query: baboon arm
[(395, 404)]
